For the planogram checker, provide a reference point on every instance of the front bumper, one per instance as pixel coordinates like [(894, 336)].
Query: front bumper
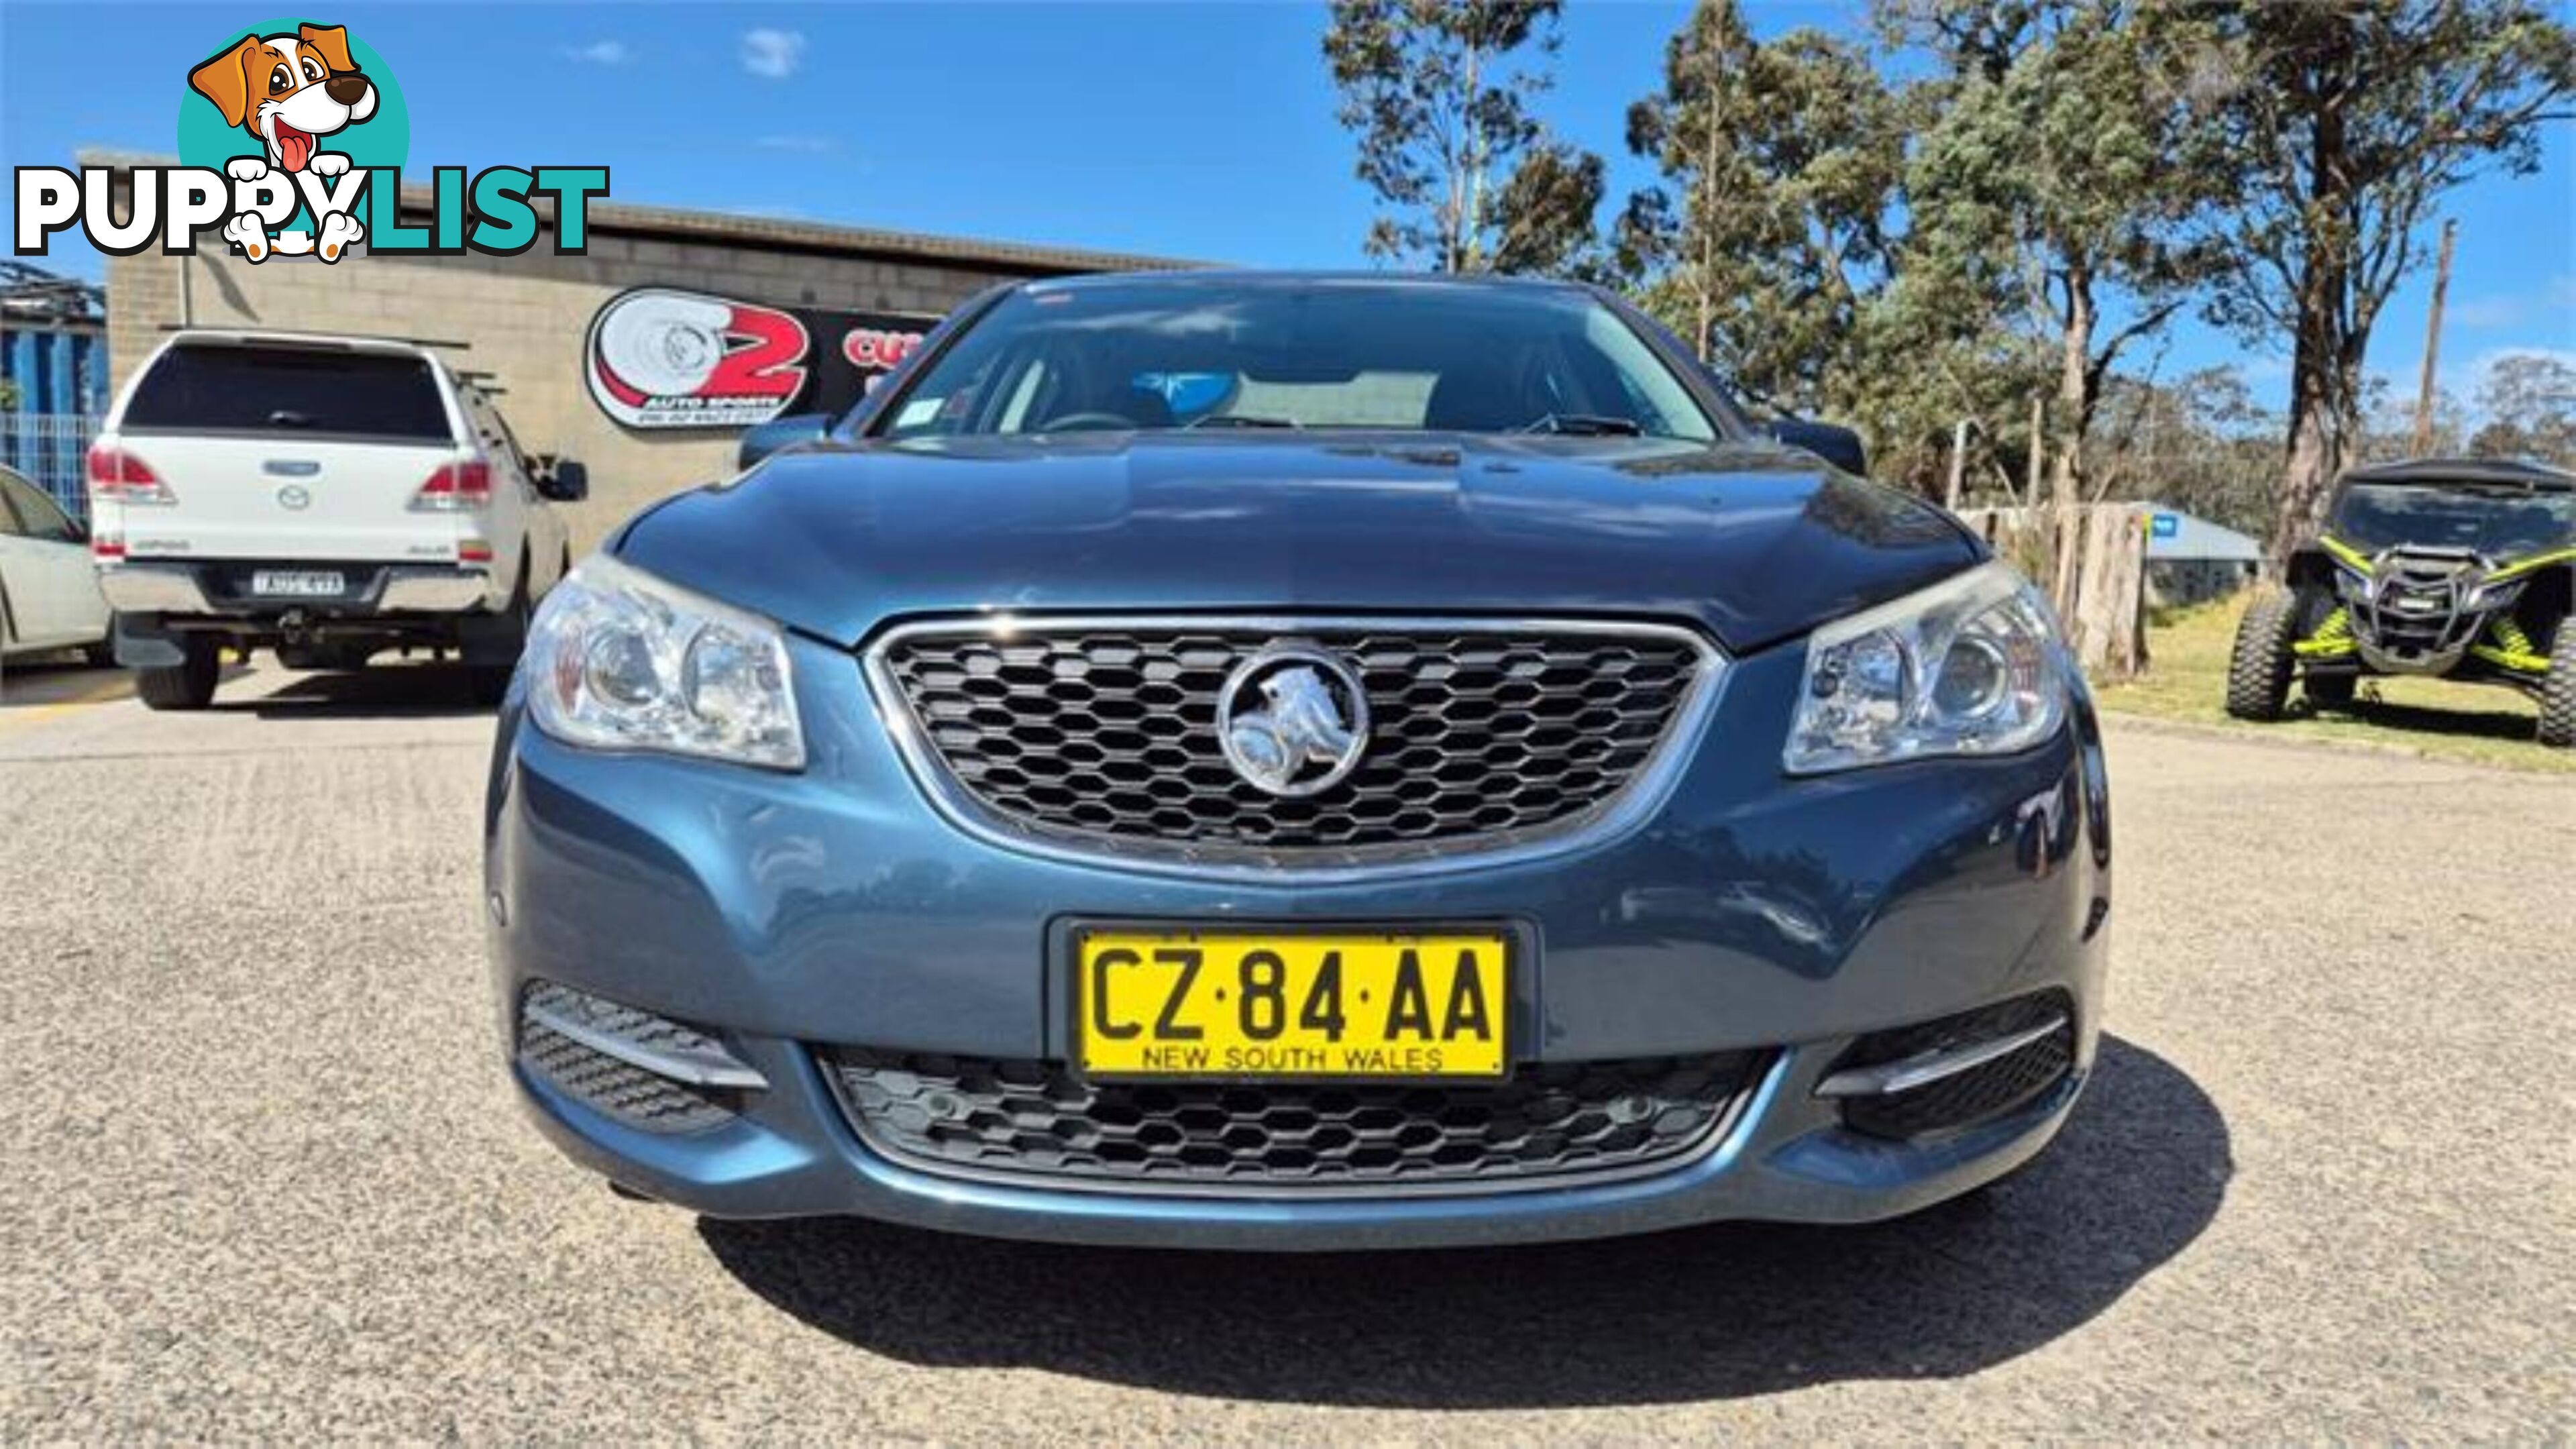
[(793, 915)]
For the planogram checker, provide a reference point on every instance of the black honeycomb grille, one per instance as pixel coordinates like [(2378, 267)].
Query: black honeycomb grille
[(1037, 1119), (1979, 1094), (1111, 734), (618, 1089)]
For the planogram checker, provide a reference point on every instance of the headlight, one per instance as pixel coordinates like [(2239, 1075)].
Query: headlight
[(1972, 666), (619, 660), (2496, 596)]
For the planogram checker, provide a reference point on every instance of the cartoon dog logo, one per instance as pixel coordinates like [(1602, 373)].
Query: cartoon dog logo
[(289, 92)]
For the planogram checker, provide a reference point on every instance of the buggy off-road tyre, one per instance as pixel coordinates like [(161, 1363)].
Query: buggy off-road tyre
[(187, 685), (2258, 672), (2558, 690)]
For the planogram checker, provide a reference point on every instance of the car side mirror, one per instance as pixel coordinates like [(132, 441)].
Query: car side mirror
[(563, 480), (779, 434), (1838, 446)]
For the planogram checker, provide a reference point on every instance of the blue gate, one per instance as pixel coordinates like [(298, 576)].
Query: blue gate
[(50, 448), (55, 380)]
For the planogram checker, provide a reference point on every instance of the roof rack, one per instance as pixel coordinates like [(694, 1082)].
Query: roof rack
[(305, 335)]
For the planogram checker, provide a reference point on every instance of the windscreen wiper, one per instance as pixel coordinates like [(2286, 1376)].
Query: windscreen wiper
[(1584, 425)]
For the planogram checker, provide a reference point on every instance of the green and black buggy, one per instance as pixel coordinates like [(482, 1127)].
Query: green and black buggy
[(2461, 569)]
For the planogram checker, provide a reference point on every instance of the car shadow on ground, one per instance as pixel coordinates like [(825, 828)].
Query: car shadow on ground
[(2495, 724), (383, 691), (1711, 1313), (52, 679)]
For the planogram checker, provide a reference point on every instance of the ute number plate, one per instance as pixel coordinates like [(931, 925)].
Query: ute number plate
[(294, 584)]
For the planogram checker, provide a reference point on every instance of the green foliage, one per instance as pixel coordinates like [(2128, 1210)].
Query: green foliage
[(1902, 255), (1770, 232), (2529, 399), (1984, 202), (2388, 424), (1546, 216), (2199, 443), (1440, 106), (2339, 124)]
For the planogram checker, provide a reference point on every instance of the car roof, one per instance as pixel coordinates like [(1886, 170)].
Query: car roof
[(2524, 472), (315, 341)]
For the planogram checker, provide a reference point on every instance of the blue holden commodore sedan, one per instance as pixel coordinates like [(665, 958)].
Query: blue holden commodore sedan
[(1298, 761)]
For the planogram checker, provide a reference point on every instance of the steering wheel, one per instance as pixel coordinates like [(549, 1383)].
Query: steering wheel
[(1084, 422)]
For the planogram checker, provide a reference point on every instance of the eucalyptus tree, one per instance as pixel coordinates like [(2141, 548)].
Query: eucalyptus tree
[(2341, 125), (1438, 94)]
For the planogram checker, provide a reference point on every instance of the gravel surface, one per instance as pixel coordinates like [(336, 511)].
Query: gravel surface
[(264, 1178)]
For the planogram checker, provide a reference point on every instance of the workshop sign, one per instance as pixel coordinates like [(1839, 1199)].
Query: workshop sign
[(658, 357)]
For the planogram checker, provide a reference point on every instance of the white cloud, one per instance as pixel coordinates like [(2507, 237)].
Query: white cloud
[(2507, 309), (2461, 377), (2485, 362), (802, 145), (600, 52), (2262, 368), (772, 54), (2485, 312)]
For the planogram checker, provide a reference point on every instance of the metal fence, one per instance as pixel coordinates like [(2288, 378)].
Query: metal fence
[(49, 448)]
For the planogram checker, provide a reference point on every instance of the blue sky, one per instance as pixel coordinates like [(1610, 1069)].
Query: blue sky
[(1187, 130)]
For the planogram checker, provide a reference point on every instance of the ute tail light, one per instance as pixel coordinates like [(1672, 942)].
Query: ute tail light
[(455, 488), (119, 476)]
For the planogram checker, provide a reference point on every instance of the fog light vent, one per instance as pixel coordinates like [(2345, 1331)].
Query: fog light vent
[(648, 1072), (1956, 1072)]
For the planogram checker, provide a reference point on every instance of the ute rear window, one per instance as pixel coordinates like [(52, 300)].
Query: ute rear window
[(275, 390)]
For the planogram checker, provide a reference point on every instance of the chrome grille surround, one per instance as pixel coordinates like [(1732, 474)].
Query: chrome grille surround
[(1039, 1123), (1555, 769), (1982, 1093)]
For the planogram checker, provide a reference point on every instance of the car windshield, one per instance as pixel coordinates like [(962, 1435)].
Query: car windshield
[(1207, 354), (2499, 521)]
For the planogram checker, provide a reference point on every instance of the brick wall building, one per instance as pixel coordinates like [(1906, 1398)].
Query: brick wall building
[(523, 319)]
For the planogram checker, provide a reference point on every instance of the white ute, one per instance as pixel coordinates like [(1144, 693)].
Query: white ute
[(326, 497)]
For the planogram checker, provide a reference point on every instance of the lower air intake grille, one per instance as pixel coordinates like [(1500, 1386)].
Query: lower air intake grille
[(1979, 1094), (640, 1099), (1035, 1119)]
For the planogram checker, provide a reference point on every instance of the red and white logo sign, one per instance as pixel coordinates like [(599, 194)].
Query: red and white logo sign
[(660, 358), (878, 349)]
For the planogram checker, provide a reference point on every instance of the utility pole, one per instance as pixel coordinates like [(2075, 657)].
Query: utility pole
[(1704, 202), (1958, 464), (2433, 340), (2038, 427)]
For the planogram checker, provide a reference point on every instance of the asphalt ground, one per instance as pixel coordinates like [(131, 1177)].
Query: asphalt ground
[(264, 1179)]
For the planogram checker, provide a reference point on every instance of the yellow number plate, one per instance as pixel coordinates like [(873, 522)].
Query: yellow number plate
[(1290, 1004)]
